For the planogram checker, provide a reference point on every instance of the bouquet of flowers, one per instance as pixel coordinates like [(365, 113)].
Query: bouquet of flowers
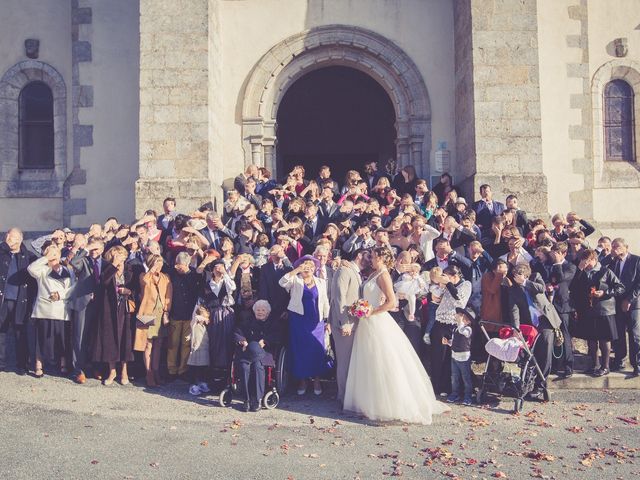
[(360, 308)]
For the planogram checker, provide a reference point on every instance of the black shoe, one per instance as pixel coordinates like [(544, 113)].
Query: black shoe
[(535, 394), (246, 407), (601, 372), (568, 374), (616, 367), (635, 373), (21, 371), (255, 407)]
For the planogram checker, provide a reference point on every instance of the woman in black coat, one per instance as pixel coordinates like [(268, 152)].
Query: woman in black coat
[(594, 290), (113, 341)]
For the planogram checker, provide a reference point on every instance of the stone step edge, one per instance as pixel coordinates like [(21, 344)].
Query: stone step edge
[(579, 381)]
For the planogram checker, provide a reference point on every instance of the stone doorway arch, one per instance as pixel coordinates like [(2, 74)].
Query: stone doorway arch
[(341, 45)]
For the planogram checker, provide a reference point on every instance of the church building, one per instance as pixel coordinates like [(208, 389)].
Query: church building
[(107, 107)]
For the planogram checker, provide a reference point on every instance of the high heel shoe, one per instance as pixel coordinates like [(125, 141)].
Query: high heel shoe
[(109, 380)]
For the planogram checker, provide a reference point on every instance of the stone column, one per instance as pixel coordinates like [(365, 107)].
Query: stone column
[(174, 133), (498, 133)]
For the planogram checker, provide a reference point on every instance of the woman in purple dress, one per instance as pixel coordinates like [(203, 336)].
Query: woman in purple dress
[(308, 312)]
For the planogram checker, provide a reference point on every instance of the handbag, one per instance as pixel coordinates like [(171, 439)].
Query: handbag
[(146, 320), (130, 305)]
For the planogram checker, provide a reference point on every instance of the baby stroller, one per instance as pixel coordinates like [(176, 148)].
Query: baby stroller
[(508, 383), (276, 379)]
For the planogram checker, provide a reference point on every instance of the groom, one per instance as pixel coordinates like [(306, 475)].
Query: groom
[(345, 290)]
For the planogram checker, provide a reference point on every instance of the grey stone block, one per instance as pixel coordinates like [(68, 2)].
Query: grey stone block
[(80, 16), (81, 51), (83, 135), (83, 96)]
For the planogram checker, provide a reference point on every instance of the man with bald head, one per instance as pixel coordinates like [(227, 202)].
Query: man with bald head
[(17, 290)]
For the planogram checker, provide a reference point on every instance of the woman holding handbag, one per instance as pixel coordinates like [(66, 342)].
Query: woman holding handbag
[(153, 316), (112, 343)]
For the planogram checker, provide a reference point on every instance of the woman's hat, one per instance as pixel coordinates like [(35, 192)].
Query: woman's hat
[(307, 258)]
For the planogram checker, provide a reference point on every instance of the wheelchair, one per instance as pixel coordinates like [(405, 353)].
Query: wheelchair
[(276, 381)]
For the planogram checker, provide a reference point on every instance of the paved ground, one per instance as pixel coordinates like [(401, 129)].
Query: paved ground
[(52, 428)]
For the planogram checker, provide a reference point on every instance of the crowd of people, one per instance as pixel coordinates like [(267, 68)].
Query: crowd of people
[(183, 295)]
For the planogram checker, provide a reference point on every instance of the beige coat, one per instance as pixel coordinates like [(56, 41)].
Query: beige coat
[(43, 306)]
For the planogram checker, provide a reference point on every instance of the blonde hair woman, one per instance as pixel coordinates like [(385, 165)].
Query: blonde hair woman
[(153, 316)]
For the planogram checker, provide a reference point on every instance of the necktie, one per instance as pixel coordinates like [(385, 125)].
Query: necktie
[(616, 270), (96, 270)]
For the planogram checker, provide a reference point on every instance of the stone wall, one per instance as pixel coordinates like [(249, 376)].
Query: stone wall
[(174, 87), (502, 35)]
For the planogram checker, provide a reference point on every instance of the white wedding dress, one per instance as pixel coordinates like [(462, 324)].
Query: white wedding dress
[(386, 380)]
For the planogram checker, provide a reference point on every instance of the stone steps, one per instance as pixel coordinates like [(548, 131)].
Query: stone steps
[(581, 381)]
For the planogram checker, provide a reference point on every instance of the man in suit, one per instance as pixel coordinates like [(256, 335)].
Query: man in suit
[(446, 256), (86, 261), (240, 181), (324, 177), (345, 290), (626, 266), (327, 208), (361, 238), (371, 174), (522, 222), (314, 224), (457, 236), (250, 193), (215, 231), (486, 208), (560, 277), (165, 221), (270, 274), (17, 292), (529, 305)]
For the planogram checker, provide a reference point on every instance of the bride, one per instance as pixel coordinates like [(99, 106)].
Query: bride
[(386, 380)]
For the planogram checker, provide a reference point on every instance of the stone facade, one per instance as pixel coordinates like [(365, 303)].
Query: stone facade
[(513, 87), (498, 100), (174, 112)]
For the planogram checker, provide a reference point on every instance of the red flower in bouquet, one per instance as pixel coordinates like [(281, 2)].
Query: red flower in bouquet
[(360, 308)]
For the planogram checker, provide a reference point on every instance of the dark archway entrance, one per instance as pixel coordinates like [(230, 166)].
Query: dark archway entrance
[(337, 116)]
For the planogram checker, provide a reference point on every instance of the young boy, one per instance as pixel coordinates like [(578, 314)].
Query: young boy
[(436, 290), (460, 343)]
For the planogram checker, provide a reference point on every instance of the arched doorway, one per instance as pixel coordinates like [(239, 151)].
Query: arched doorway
[(329, 46), (336, 116)]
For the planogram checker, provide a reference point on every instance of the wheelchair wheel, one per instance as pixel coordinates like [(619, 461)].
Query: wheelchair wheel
[(271, 400), (225, 398), (282, 370)]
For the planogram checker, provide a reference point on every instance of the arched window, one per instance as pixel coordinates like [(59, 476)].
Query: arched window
[(36, 126), (618, 121)]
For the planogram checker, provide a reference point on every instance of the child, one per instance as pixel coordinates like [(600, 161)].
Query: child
[(436, 290), (460, 345), (411, 284), (199, 357), (261, 250)]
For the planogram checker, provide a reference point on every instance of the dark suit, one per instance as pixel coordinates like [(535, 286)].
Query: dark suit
[(15, 313), (310, 232), (215, 240), (255, 199), (628, 321), (252, 359), (327, 212), (484, 216), (560, 277), (83, 309), (463, 263), (548, 320), (269, 289), (458, 240)]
